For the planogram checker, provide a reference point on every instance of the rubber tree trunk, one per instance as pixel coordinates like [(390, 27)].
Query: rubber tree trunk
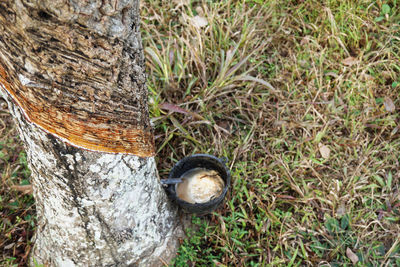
[(72, 73)]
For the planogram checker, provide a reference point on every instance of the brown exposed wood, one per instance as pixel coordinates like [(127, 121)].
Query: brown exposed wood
[(79, 79)]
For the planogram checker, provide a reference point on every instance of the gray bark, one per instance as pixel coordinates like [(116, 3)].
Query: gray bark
[(72, 73), (96, 209)]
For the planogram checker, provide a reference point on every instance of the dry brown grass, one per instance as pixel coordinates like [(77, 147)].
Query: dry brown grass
[(303, 76)]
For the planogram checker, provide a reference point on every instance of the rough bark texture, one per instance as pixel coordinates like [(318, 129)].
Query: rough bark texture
[(76, 68), (72, 74), (95, 209)]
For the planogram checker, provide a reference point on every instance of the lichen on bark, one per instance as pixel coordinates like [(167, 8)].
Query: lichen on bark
[(95, 209)]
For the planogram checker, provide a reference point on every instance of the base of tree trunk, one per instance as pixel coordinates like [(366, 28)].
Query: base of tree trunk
[(94, 208)]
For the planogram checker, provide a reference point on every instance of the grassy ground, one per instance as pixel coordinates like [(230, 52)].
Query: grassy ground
[(302, 97)]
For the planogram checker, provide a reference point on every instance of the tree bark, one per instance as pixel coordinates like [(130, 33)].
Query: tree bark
[(76, 68), (72, 73)]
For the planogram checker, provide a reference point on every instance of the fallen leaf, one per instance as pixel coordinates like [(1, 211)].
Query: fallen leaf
[(325, 151), (305, 40), (341, 210), (386, 74), (25, 189), (381, 213), (175, 108), (351, 255), (199, 22), (389, 105), (350, 61), (9, 246), (171, 57)]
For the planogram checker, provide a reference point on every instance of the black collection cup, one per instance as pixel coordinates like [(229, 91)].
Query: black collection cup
[(205, 161)]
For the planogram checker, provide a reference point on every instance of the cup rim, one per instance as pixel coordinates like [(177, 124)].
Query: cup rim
[(212, 202)]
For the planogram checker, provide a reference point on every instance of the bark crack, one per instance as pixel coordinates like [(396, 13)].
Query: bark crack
[(106, 228)]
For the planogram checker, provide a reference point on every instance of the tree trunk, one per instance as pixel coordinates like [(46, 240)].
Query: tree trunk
[(72, 73)]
